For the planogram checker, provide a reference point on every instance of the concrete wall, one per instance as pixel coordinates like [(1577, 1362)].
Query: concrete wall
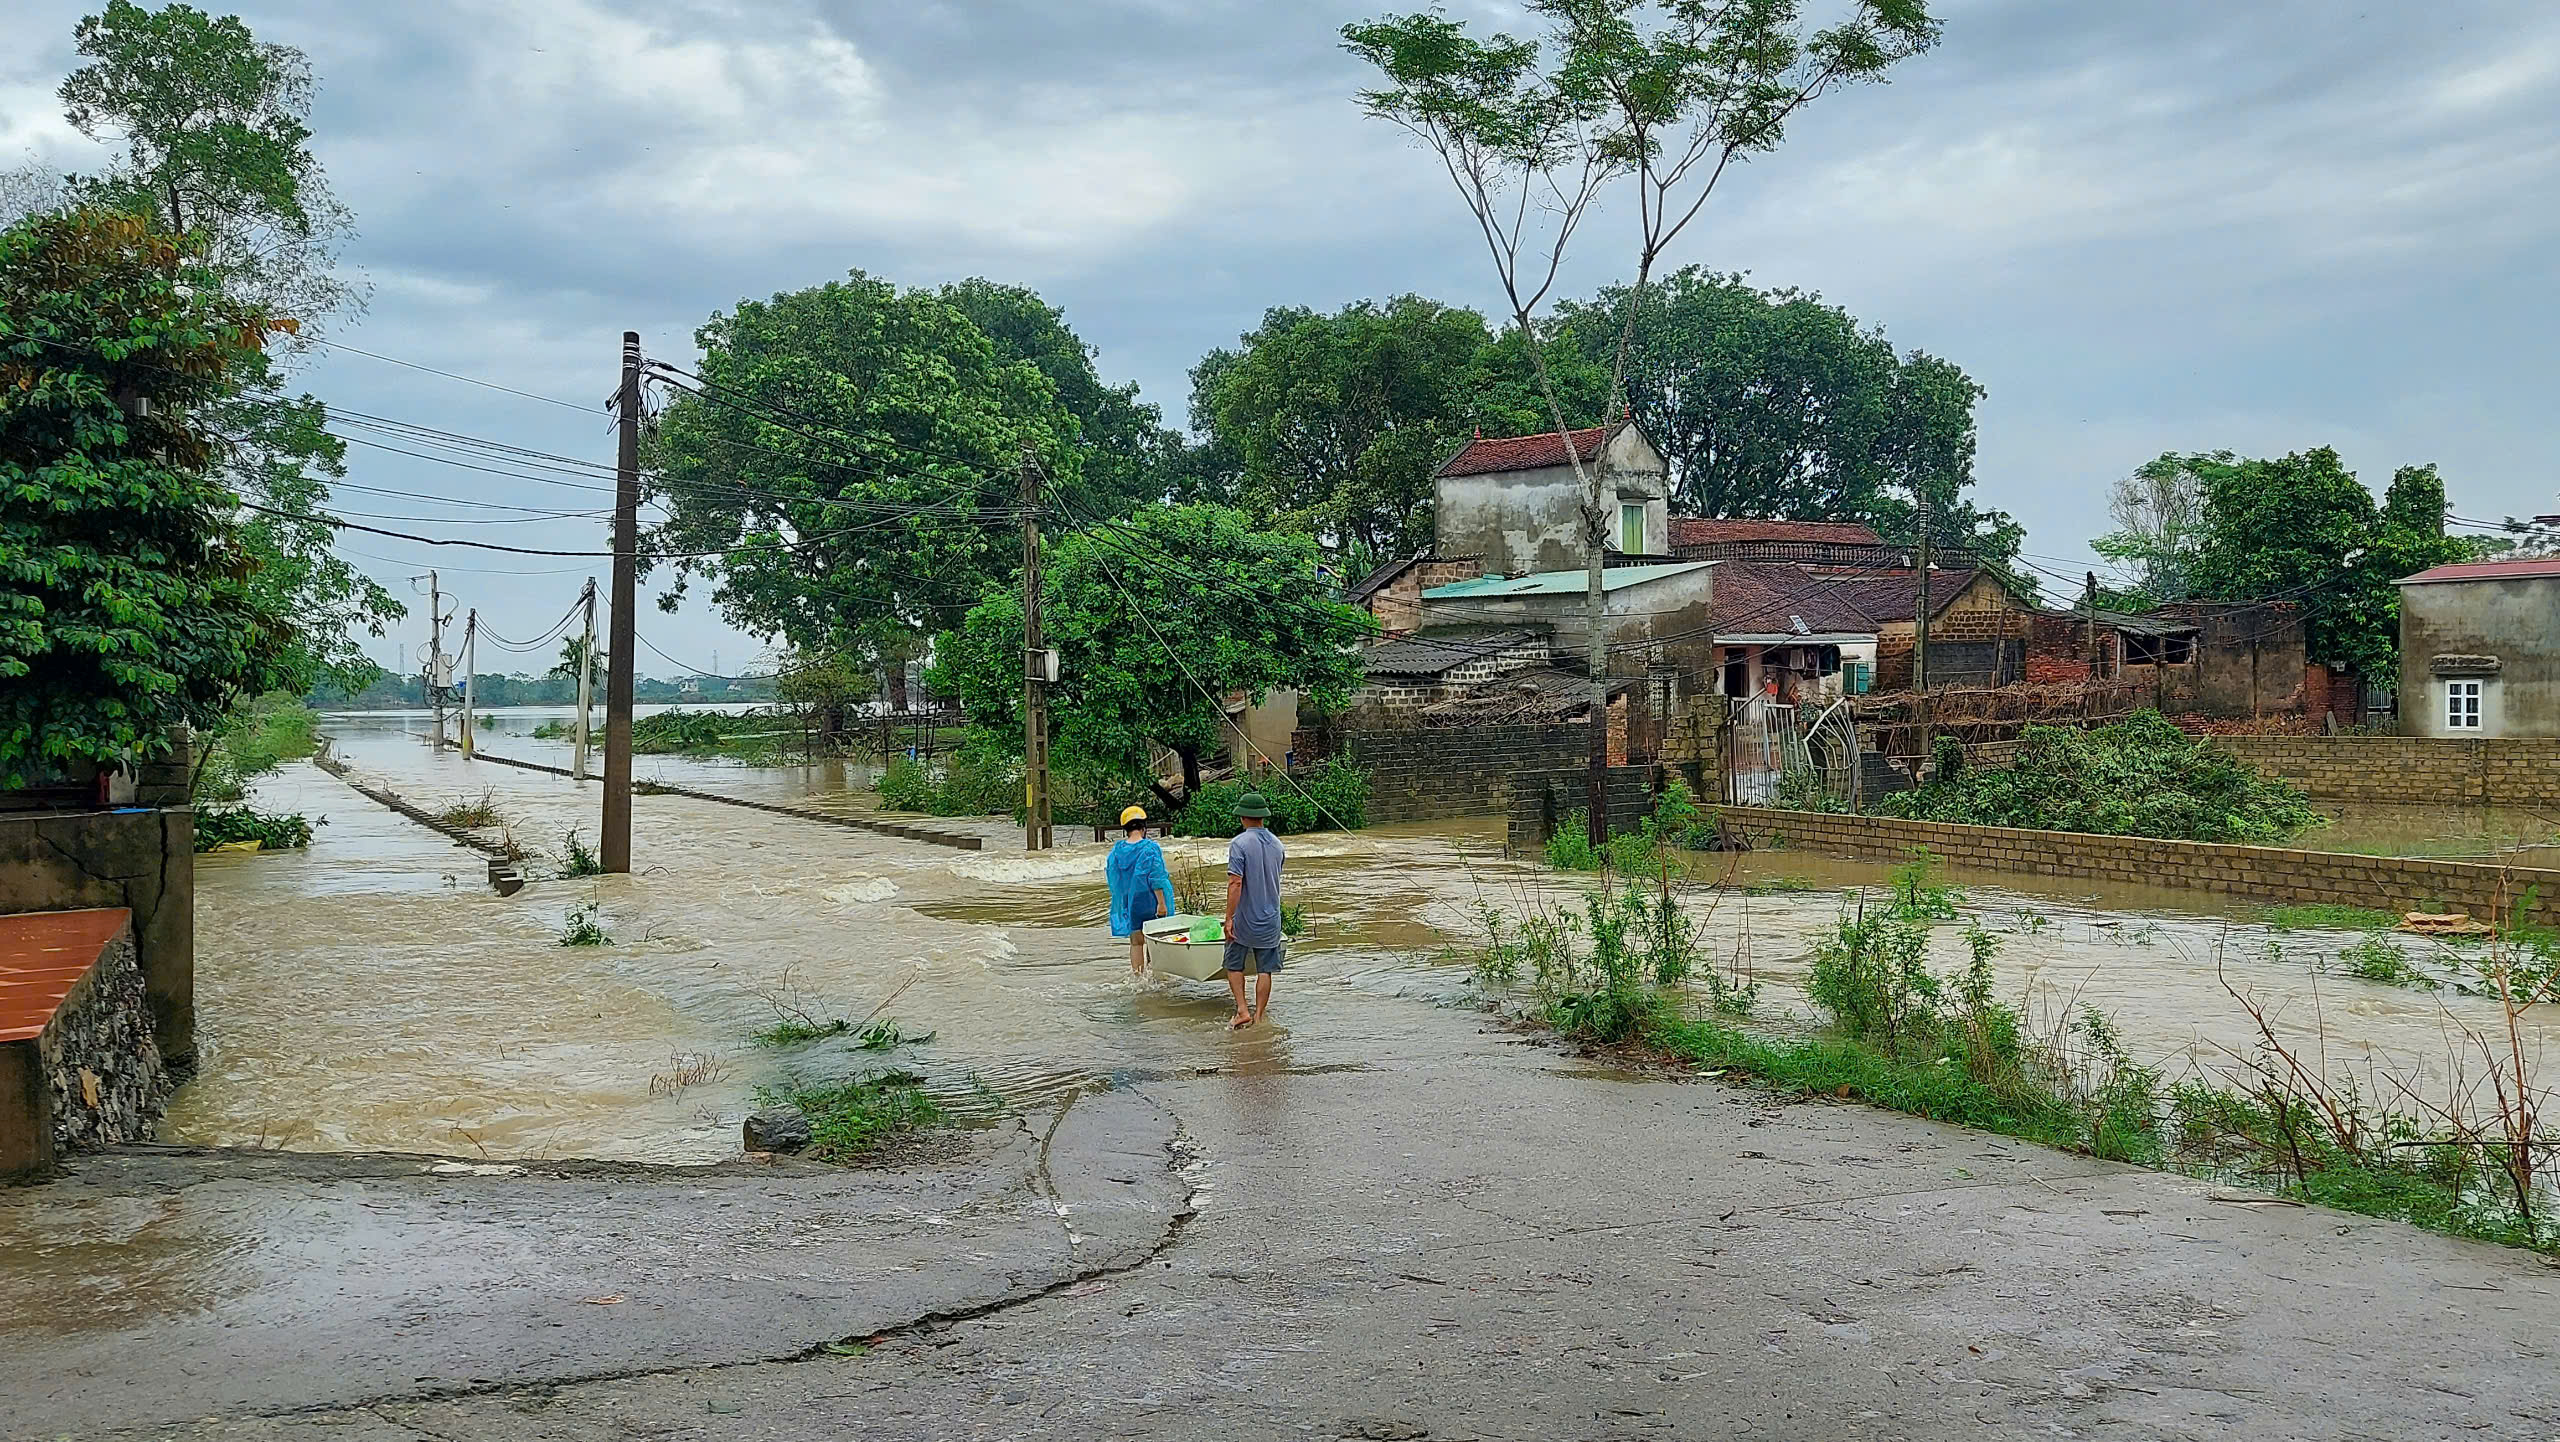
[(2408, 771), (2448, 627), (2258, 873), (1538, 802), (141, 860), (1518, 523), (1681, 606), (1438, 773)]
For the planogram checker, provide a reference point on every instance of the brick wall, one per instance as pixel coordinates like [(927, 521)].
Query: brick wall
[(1432, 774), (2409, 770), (2259, 873), (1539, 802)]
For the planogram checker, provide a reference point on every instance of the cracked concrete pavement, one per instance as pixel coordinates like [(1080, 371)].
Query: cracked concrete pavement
[(1507, 1246)]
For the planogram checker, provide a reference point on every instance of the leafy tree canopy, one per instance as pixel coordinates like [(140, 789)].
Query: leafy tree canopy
[(2304, 529), (849, 480), (128, 602), (1127, 452), (1336, 422), (216, 146), (1772, 403), (1244, 608)]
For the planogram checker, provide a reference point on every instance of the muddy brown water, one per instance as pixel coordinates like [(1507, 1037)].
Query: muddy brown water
[(373, 993)]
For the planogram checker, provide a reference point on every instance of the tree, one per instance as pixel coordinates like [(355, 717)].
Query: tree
[(1771, 403), (847, 474), (2159, 511), (213, 125), (1127, 454), (1338, 421), (573, 651), (2303, 529), (1244, 606), (1670, 92), (127, 600)]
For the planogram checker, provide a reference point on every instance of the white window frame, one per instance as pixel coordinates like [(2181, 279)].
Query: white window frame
[(2463, 704), (1624, 507)]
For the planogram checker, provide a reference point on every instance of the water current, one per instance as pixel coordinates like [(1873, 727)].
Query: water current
[(375, 993)]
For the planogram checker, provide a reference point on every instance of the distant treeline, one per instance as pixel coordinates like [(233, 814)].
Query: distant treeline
[(387, 692)]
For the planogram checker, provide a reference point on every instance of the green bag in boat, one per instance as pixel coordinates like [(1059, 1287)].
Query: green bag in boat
[(1207, 930)]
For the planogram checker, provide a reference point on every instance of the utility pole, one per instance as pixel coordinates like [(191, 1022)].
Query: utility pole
[(1920, 628), (1039, 668), (586, 685), (470, 687), (2089, 603), (626, 599), (1595, 805), (433, 672)]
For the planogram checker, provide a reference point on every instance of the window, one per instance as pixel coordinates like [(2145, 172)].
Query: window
[(2462, 705), (1856, 677), (1631, 528)]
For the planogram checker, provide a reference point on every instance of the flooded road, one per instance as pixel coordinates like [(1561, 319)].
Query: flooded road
[(373, 993)]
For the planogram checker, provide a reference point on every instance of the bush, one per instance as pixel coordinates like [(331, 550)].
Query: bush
[(2140, 776), (975, 782), (1675, 823), (254, 740), (224, 825), (1311, 800)]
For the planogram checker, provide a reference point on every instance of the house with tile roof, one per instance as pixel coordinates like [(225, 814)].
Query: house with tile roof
[(1513, 503)]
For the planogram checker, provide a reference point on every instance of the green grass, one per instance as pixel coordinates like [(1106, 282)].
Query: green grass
[(2322, 915), (577, 859), (256, 738), (1779, 886), (473, 813), (887, 1035), (220, 826), (1941, 1090), (850, 1119)]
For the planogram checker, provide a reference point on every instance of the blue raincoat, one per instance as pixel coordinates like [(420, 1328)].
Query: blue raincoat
[(1136, 873)]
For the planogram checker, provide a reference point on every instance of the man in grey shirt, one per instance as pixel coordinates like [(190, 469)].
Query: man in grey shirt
[(1253, 907)]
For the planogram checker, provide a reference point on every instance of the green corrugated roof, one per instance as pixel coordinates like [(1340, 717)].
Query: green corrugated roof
[(1559, 583)]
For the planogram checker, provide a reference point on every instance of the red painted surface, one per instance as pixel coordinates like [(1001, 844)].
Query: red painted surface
[(43, 954), (2486, 571)]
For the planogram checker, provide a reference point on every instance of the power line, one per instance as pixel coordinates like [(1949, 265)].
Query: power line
[(453, 376)]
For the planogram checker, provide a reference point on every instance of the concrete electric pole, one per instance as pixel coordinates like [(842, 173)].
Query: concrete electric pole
[(626, 598), (586, 685), (470, 664), (1039, 668)]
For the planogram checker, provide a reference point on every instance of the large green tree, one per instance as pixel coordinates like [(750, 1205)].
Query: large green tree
[(2303, 529), (847, 478), (127, 599), (1772, 403), (215, 144), (1158, 619), (1338, 421), (1127, 454)]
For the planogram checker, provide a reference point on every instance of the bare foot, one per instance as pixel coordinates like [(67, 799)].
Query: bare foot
[(1240, 1021)]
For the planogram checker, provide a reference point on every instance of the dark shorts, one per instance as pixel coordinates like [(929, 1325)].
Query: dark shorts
[(1241, 957), (1142, 909)]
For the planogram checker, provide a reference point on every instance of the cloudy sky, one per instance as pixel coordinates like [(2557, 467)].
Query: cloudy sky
[(2185, 224)]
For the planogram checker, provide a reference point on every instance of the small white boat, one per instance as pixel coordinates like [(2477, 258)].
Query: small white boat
[(1171, 951)]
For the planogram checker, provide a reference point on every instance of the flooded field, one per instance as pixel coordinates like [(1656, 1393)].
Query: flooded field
[(374, 993), (2516, 835)]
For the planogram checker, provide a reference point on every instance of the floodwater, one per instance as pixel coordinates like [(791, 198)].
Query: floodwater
[(2511, 835), (373, 993)]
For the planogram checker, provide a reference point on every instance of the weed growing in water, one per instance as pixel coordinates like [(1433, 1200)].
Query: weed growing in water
[(850, 1119), (1293, 919), (2374, 959), (792, 1032), (470, 813), (886, 1035), (577, 860), (2322, 915), (687, 1069), (1778, 886), (585, 926)]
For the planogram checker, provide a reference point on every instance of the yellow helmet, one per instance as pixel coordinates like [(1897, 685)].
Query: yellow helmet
[(1134, 813)]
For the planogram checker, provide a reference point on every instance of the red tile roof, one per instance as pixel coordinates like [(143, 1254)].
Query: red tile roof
[(1764, 597), (1523, 453), (2487, 571), (1708, 530), (43, 954)]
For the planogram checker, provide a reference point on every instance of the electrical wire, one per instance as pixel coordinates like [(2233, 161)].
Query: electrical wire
[(453, 376)]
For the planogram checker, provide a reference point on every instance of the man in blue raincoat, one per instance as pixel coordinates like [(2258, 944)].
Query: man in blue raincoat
[(1141, 888)]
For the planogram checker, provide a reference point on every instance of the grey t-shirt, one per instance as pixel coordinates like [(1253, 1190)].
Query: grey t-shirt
[(1255, 855)]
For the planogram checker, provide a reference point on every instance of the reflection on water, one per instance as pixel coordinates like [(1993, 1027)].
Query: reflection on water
[(372, 994), (2517, 835)]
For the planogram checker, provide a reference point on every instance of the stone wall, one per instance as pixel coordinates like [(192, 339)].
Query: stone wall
[(109, 1084), (141, 860), (2408, 770), (1432, 774), (2258, 873)]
